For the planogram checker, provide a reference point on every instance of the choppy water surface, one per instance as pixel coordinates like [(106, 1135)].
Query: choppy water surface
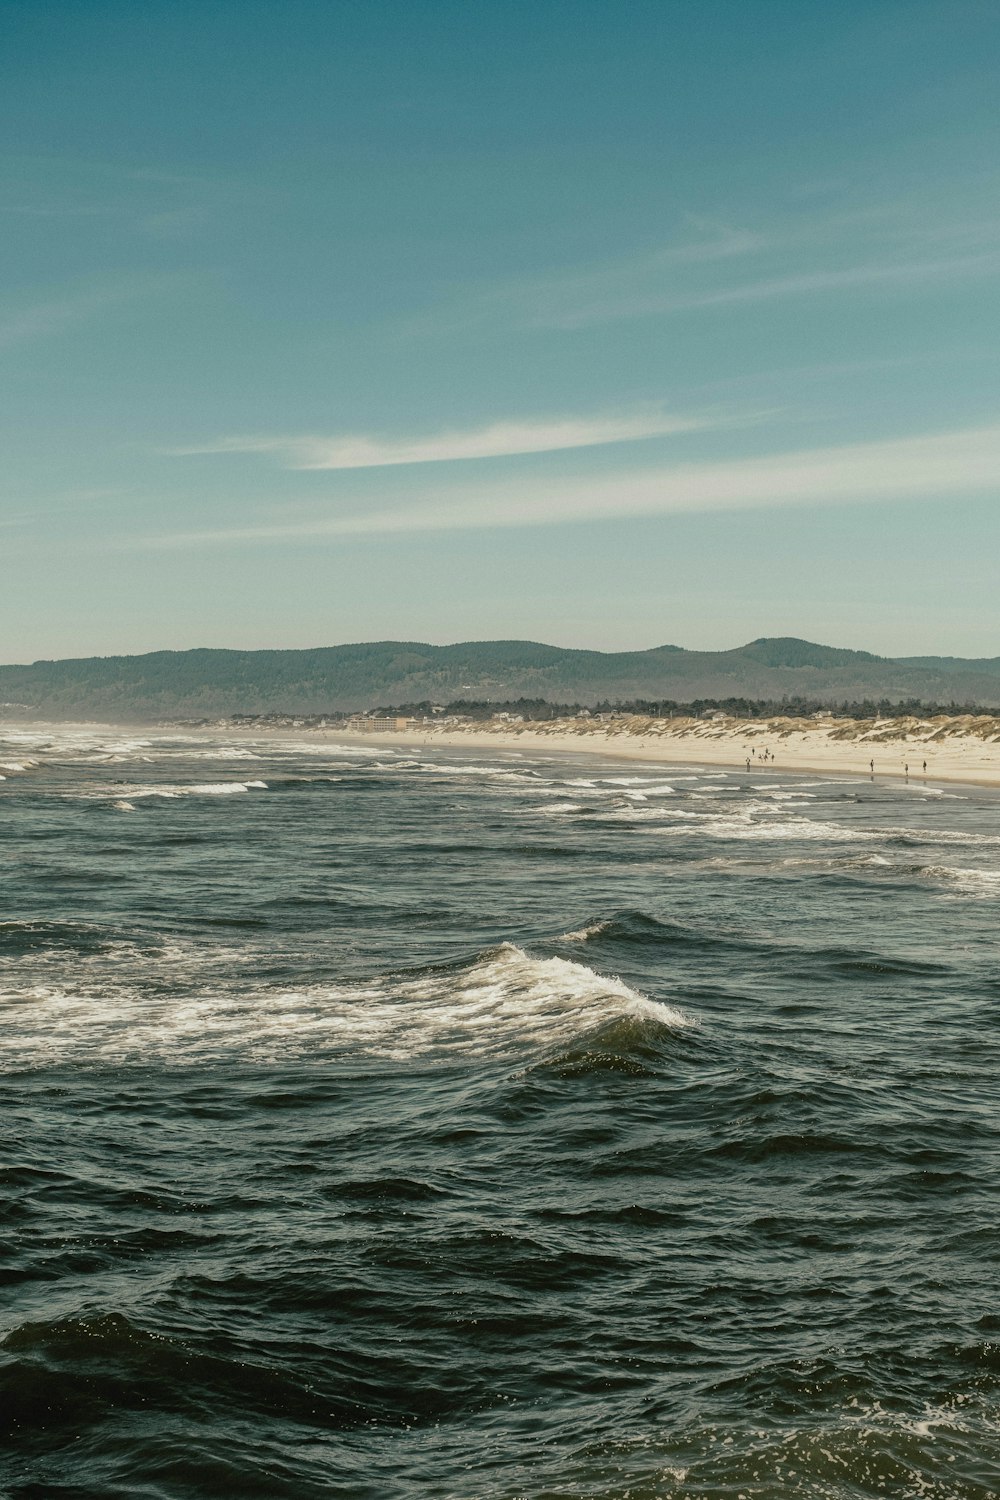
[(472, 1125)]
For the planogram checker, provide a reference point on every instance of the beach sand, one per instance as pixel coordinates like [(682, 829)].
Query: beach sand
[(955, 749)]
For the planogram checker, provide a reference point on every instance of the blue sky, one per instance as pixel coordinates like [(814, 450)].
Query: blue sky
[(596, 323)]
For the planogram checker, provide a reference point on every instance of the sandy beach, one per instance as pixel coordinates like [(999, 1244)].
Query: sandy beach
[(949, 749)]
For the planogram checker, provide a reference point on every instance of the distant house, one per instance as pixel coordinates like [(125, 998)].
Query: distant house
[(377, 723)]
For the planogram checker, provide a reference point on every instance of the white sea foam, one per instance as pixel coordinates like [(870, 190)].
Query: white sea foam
[(846, 1450), (459, 769), (222, 788), (509, 997), (172, 791), (628, 780), (631, 812), (767, 825), (784, 794), (224, 752), (971, 882), (504, 1003), (946, 836), (966, 880)]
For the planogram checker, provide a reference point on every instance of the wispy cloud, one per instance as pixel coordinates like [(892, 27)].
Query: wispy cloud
[(767, 289), (884, 244), (497, 440), (940, 466), (595, 292), (52, 315)]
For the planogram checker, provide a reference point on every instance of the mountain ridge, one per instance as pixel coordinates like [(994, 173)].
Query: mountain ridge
[(210, 681)]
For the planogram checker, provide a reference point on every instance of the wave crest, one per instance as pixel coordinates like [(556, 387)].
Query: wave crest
[(502, 1003)]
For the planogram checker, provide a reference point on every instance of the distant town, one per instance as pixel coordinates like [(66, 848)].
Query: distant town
[(410, 717)]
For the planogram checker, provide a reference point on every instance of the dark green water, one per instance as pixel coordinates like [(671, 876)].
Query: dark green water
[(492, 1127)]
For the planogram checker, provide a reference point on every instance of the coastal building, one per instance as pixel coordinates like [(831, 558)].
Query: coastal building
[(378, 724)]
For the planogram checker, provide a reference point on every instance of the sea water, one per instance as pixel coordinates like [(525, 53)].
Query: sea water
[(410, 1122)]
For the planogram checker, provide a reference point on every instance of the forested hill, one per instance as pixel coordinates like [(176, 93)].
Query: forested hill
[(209, 683)]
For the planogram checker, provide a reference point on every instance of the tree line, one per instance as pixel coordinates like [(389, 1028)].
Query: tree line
[(794, 706)]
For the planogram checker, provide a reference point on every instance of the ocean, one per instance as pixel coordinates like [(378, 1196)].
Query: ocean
[(395, 1123)]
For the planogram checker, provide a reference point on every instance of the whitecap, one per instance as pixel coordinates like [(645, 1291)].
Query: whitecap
[(628, 780), (970, 882), (171, 791), (504, 1003), (224, 788), (744, 826), (458, 768)]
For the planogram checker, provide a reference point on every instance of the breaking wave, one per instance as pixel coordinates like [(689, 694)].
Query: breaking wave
[(970, 882), (745, 825), (503, 1001), (124, 797)]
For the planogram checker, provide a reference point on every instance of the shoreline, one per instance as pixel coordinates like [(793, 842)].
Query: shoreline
[(953, 757), (960, 750)]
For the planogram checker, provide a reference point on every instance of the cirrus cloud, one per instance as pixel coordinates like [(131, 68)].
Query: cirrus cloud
[(937, 466), (495, 440)]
